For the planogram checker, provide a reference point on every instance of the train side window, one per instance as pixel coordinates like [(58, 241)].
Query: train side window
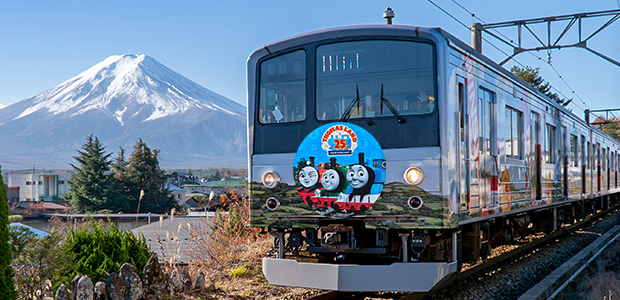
[(604, 160), (608, 158), (282, 96), (583, 150), (487, 118), (513, 132), (549, 146), (573, 150), (589, 160), (462, 110), (597, 156), (535, 127)]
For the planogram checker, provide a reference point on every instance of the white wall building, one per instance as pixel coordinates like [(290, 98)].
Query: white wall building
[(38, 185)]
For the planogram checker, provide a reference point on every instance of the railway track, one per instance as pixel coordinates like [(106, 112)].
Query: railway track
[(451, 286)]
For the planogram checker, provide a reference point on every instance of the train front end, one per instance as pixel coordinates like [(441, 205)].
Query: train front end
[(346, 167)]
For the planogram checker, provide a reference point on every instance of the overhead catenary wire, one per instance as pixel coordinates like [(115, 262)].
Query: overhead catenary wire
[(513, 59), (534, 55)]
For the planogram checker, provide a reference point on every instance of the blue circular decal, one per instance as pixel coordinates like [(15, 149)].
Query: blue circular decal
[(339, 168)]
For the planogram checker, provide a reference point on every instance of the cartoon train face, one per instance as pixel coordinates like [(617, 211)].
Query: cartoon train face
[(309, 175), (357, 176), (332, 179), (361, 179)]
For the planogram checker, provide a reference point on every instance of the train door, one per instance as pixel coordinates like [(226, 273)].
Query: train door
[(535, 162), (463, 129), (489, 168)]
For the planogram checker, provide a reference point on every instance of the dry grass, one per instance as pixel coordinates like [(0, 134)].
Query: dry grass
[(605, 286), (230, 253)]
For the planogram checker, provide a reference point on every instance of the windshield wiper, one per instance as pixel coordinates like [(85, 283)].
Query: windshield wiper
[(347, 113), (391, 107)]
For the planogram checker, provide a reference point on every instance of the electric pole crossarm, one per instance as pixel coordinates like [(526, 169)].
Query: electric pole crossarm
[(613, 19), (534, 34), (568, 26), (551, 43), (556, 18), (609, 59)]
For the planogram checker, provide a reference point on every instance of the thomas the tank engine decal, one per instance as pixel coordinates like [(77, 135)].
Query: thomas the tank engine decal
[(339, 168)]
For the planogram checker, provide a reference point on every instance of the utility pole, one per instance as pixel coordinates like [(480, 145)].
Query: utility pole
[(476, 36)]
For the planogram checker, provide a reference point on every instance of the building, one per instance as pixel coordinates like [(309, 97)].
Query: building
[(178, 194), (37, 185)]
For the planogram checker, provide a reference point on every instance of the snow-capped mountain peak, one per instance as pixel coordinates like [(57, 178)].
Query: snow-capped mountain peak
[(120, 100), (129, 87)]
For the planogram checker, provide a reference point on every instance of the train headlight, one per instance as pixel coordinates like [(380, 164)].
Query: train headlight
[(413, 176), (272, 203), (271, 179)]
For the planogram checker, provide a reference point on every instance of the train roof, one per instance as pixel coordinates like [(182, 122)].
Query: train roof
[(402, 30)]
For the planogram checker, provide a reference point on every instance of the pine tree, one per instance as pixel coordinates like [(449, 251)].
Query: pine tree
[(91, 183), (530, 75), (148, 180), (612, 129), (7, 285), (121, 186)]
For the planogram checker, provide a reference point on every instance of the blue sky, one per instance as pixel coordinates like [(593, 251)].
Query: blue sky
[(43, 43)]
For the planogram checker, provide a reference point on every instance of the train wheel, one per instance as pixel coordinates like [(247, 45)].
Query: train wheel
[(309, 201), (335, 206)]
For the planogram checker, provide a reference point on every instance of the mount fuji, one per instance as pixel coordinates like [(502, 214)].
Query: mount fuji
[(119, 100)]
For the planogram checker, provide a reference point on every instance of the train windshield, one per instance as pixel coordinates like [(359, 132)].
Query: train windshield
[(402, 70), (283, 89)]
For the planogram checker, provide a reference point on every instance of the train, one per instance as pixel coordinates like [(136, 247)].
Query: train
[(384, 157)]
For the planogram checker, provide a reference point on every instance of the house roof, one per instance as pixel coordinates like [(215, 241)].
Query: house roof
[(172, 187), (38, 232), (54, 206), (227, 183)]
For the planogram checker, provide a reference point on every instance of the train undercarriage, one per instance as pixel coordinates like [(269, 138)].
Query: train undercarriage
[(346, 249)]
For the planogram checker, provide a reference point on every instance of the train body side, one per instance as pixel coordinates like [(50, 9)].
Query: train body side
[(574, 161)]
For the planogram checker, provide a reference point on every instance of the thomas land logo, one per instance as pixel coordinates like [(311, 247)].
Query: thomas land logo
[(339, 140)]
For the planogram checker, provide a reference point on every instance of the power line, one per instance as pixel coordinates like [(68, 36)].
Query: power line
[(447, 13), (512, 42)]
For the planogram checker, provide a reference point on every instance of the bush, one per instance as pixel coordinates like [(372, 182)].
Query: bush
[(15, 218), (41, 263), (97, 251), (20, 238)]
